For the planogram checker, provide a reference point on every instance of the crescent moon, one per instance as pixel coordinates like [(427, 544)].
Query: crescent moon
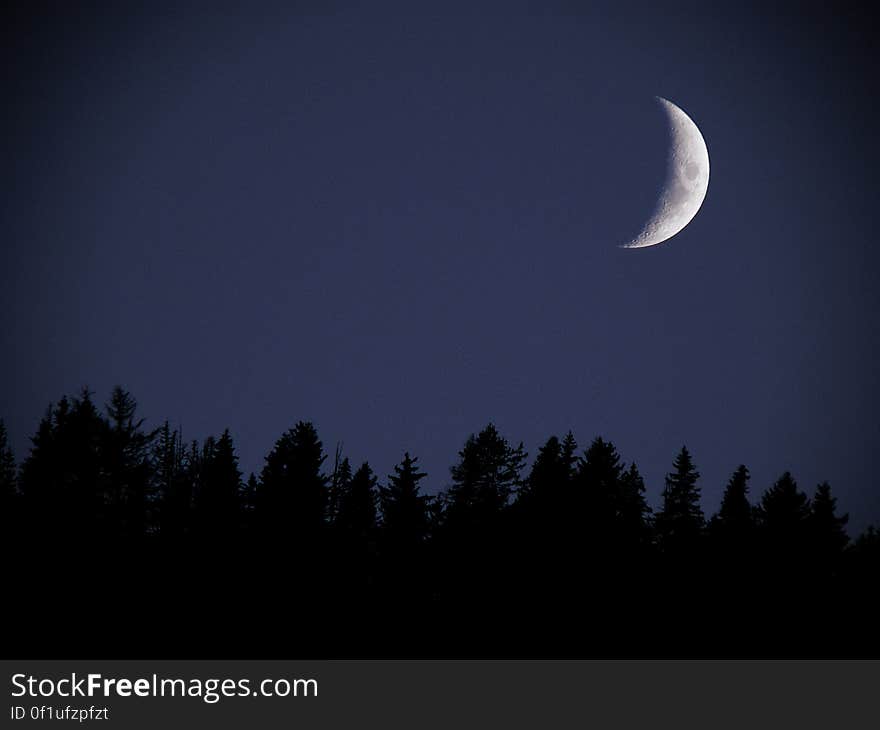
[(687, 180)]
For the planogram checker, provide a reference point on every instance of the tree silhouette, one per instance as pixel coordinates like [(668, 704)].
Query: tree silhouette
[(633, 512), (733, 528), (783, 519), (569, 453), (487, 474), (547, 485), (357, 506), (191, 478), (63, 479), (680, 520), (568, 561), (170, 482), (127, 458), (733, 548), (217, 504), (597, 485), (293, 493), (543, 525), (735, 516), (405, 529), (827, 529), (784, 510), (472, 539), (405, 514), (340, 483)]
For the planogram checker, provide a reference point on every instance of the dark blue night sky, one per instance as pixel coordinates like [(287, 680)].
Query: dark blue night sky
[(402, 222)]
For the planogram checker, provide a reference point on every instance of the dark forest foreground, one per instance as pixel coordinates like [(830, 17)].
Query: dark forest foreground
[(122, 542)]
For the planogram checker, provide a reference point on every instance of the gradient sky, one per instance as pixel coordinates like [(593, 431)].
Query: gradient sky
[(404, 223)]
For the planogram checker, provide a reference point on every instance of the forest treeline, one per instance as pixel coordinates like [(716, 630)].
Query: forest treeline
[(119, 539)]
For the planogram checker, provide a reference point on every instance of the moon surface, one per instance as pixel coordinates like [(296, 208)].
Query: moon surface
[(687, 179)]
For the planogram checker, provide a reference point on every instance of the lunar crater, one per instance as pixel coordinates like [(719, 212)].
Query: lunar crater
[(686, 183)]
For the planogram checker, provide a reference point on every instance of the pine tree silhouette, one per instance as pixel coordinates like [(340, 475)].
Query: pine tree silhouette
[(474, 540), (569, 453), (547, 485), (403, 546), (340, 484), (783, 521), (357, 507), (680, 520), (170, 483), (633, 512), (567, 561), (784, 510), (293, 493), (732, 529), (827, 530), (405, 515), (487, 474), (218, 500), (597, 485), (127, 458), (190, 481), (63, 480), (735, 520), (733, 553)]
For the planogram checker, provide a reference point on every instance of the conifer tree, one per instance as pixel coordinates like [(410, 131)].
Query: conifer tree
[(190, 482), (404, 509), (166, 458), (733, 538), (487, 474), (680, 519), (633, 512), (340, 483), (357, 506), (784, 509), (827, 529), (127, 456), (217, 502), (783, 518), (170, 482), (548, 505), (569, 454), (293, 494), (597, 484), (547, 482), (40, 481), (63, 481), (735, 519)]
